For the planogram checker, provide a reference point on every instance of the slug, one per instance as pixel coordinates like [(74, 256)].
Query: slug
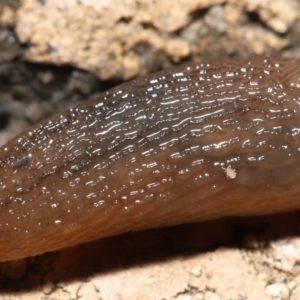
[(197, 142)]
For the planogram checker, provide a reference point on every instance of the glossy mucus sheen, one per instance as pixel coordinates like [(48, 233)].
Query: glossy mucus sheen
[(152, 152)]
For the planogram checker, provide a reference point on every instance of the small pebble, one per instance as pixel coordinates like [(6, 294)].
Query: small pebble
[(278, 290), (196, 271)]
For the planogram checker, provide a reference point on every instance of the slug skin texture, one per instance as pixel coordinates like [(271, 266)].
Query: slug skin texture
[(197, 142)]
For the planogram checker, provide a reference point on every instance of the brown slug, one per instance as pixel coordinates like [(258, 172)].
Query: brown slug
[(197, 142)]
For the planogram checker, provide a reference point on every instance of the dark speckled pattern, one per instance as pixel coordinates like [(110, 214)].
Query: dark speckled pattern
[(151, 153)]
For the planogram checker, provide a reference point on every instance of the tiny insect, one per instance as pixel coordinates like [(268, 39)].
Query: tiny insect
[(22, 161), (231, 173)]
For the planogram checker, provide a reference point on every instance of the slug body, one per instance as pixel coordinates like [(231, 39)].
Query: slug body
[(152, 152)]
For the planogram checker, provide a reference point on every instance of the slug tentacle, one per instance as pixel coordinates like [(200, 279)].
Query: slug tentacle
[(151, 153)]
